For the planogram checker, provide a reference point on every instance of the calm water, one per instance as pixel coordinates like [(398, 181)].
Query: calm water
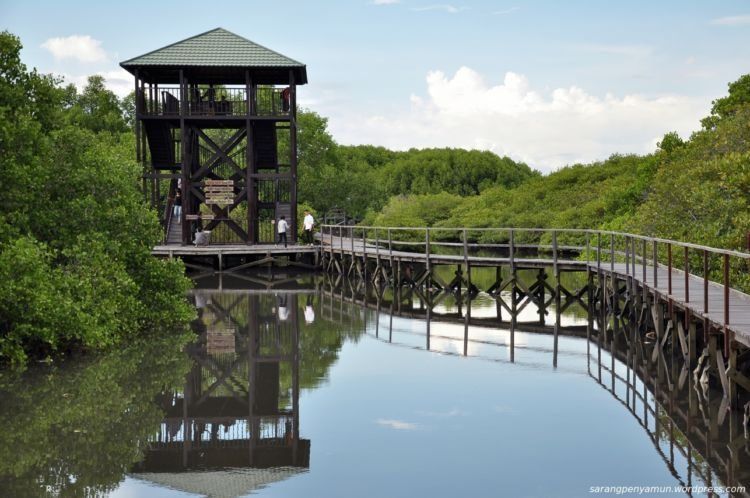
[(302, 392)]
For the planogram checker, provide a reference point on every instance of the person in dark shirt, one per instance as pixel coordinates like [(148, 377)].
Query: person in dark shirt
[(286, 95), (177, 209)]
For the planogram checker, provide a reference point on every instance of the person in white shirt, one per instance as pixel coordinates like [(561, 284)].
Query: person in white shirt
[(308, 224), (281, 228), (309, 311), (283, 310)]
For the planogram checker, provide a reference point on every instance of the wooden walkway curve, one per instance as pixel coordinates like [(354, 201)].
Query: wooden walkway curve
[(721, 305)]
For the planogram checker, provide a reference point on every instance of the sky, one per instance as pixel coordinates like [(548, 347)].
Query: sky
[(549, 83)]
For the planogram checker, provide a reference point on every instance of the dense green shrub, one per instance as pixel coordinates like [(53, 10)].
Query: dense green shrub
[(75, 232)]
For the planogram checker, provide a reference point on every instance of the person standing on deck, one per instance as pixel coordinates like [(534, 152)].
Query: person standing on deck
[(197, 225), (308, 223), (286, 99), (177, 210), (281, 228)]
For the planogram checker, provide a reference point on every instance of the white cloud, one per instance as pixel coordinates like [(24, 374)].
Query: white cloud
[(119, 81), (80, 47), (545, 129), (742, 20), (444, 7), (385, 2), (396, 424), (505, 11)]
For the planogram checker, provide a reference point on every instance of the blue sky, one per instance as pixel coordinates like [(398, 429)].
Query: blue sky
[(545, 82)]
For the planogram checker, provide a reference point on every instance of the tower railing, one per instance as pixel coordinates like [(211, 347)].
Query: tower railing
[(206, 102)]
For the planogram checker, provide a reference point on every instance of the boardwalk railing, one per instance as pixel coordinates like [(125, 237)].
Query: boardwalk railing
[(688, 273)]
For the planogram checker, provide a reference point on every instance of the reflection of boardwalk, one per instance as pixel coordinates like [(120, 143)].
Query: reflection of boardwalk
[(699, 440), (254, 282), (409, 306)]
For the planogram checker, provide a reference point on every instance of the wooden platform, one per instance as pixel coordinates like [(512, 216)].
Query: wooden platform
[(232, 250), (236, 257)]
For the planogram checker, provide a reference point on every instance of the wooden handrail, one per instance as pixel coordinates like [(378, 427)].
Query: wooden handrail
[(583, 231)]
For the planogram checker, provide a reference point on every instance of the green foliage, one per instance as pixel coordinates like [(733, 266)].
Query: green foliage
[(76, 428), (326, 179), (670, 142), (739, 97), (75, 234), (31, 290), (360, 179), (97, 109), (700, 192), (456, 171), (415, 210), (579, 196)]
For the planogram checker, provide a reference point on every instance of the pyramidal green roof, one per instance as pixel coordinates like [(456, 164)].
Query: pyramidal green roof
[(218, 48)]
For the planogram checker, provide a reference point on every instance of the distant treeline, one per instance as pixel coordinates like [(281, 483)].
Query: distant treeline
[(695, 189), (362, 179)]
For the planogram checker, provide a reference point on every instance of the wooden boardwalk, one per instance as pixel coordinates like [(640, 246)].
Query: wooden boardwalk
[(704, 299), (373, 251)]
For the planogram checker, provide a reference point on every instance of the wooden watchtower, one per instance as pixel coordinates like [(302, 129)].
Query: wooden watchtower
[(216, 118)]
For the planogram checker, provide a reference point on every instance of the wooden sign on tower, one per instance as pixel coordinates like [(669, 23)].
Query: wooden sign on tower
[(220, 192)]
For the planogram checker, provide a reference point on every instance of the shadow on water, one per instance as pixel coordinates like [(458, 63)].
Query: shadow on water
[(221, 415)]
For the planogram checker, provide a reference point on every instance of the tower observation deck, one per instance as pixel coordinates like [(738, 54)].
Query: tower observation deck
[(216, 121)]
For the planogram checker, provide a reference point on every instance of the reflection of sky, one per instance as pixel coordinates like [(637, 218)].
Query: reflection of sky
[(476, 428), (484, 307), (485, 342), (137, 488)]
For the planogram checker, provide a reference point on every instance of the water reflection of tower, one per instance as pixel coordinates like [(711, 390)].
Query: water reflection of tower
[(240, 405)]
